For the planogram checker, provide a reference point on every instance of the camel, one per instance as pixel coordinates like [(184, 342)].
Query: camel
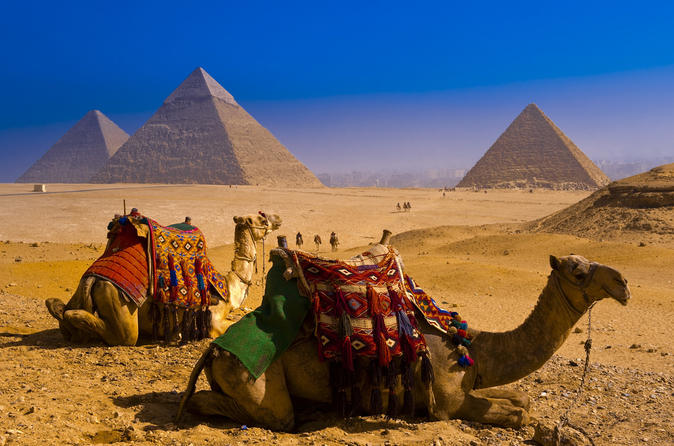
[(98, 310), (456, 392)]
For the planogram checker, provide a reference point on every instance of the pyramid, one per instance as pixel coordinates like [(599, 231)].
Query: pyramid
[(202, 135), (534, 152), (80, 153)]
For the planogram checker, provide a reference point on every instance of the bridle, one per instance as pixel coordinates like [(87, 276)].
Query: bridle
[(253, 260), (581, 285)]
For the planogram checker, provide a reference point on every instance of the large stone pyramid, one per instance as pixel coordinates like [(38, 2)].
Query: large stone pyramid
[(201, 135), (534, 152), (80, 153)]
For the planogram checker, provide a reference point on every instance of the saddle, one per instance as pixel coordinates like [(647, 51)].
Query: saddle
[(168, 264), (365, 313)]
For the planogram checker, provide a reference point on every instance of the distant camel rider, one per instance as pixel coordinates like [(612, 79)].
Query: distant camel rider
[(334, 241), (317, 241), (298, 240)]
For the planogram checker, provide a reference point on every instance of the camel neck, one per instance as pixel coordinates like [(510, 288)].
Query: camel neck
[(245, 254), (508, 356)]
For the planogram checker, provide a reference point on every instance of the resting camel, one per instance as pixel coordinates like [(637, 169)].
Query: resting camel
[(98, 310), (456, 392)]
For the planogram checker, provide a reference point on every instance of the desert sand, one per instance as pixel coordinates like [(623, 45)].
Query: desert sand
[(469, 250)]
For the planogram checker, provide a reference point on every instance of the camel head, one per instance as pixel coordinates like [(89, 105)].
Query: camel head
[(585, 282), (260, 224)]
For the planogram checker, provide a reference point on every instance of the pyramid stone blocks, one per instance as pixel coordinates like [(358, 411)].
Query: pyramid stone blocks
[(534, 152), (80, 153), (202, 135)]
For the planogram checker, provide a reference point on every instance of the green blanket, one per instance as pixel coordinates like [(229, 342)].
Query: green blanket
[(262, 335)]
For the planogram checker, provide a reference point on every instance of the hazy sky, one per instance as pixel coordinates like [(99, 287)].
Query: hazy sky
[(348, 85)]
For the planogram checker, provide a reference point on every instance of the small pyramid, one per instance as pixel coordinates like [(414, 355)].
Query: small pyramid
[(80, 153), (200, 134), (534, 152)]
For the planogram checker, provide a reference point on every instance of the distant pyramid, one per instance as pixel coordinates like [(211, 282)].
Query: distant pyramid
[(534, 152), (201, 135), (80, 153)]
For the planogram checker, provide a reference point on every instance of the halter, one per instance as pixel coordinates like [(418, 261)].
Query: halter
[(250, 228), (582, 286)]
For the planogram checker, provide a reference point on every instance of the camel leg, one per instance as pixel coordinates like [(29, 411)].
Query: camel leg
[(118, 321), (56, 308), (499, 412), (516, 397), (211, 403), (263, 402)]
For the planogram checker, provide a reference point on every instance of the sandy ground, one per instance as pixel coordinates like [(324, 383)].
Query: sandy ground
[(468, 250)]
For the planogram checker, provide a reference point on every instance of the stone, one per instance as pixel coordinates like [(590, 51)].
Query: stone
[(534, 152), (202, 135), (544, 435), (80, 153)]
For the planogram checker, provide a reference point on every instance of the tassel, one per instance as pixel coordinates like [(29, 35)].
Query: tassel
[(392, 411), (383, 350), (194, 327), (341, 404), (376, 404), (407, 381), (408, 403), (174, 321), (199, 316), (156, 320), (172, 271), (183, 327), (356, 400), (166, 323), (347, 354), (207, 323), (379, 333), (427, 375), (465, 361)]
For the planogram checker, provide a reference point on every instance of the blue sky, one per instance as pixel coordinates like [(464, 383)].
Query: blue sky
[(344, 84)]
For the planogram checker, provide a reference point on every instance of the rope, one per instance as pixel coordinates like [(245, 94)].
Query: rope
[(264, 263), (564, 419)]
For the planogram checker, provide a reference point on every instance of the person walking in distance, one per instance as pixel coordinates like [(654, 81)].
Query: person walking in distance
[(334, 241), (317, 241), (298, 240)]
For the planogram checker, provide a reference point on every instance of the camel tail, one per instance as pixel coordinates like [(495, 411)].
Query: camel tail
[(192, 383)]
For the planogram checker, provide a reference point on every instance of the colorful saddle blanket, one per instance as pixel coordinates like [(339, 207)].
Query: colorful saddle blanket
[(361, 310), (124, 263), (375, 307), (181, 270), (145, 259)]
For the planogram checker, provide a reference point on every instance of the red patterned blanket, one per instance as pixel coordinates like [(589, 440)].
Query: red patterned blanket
[(144, 258), (124, 263), (367, 311)]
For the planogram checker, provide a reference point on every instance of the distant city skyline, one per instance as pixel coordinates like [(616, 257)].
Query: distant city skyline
[(350, 86)]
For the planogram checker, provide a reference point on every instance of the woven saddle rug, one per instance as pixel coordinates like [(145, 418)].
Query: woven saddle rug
[(182, 272), (367, 308), (349, 288), (144, 259)]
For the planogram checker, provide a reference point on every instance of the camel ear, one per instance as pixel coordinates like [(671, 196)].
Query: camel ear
[(238, 220), (554, 262)]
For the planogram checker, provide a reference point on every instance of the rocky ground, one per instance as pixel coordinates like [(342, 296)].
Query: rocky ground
[(55, 393)]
